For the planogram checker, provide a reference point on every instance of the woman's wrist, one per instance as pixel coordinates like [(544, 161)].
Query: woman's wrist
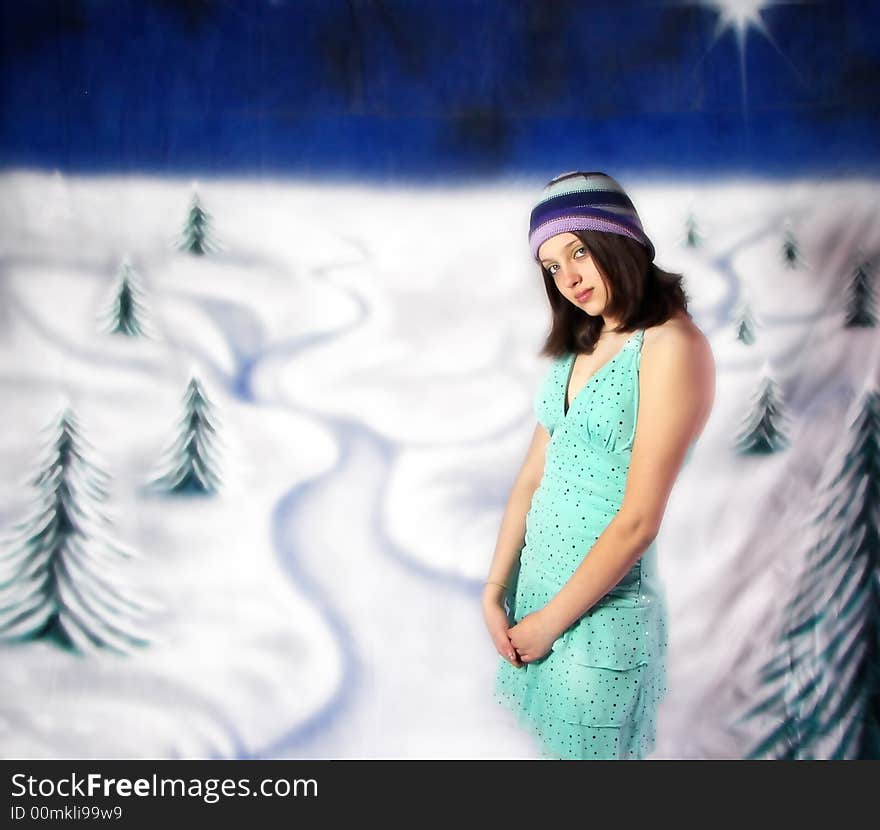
[(496, 583), (493, 590)]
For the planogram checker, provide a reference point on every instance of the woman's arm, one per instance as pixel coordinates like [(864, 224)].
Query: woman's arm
[(676, 392), (512, 531)]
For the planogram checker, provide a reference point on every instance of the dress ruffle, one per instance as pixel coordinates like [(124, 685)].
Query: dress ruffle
[(568, 729)]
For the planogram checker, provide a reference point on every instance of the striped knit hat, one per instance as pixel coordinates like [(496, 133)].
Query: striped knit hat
[(580, 201)]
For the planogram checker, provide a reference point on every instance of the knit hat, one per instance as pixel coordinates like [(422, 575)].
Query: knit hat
[(579, 201)]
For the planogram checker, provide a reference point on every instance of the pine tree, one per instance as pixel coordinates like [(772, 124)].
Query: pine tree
[(790, 250), (694, 238), (196, 236), (861, 304), (190, 463), (745, 324), (59, 571), (822, 687), (126, 313), (764, 430)]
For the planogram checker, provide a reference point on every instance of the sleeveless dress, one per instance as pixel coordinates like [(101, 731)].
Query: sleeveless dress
[(595, 694)]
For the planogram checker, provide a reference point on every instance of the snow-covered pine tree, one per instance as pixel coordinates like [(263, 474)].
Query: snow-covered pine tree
[(59, 569), (765, 428), (196, 237), (821, 688), (126, 312), (790, 250), (693, 237), (861, 303), (745, 324), (190, 463)]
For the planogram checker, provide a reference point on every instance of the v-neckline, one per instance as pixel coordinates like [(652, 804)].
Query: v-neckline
[(566, 406)]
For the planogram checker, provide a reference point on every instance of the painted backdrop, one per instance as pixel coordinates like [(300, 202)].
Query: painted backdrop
[(269, 339)]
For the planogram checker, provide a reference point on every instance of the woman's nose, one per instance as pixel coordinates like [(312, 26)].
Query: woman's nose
[(572, 276)]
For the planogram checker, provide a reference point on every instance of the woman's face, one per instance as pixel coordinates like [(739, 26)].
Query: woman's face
[(577, 277)]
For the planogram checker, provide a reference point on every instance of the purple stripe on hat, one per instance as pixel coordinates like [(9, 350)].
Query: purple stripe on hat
[(610, 214), (579, 200), (580, 223)]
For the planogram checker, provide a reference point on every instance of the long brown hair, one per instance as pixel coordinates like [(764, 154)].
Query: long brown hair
[(640, 293)]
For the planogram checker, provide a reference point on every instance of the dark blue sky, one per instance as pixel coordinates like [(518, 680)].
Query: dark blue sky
[(424, 88)]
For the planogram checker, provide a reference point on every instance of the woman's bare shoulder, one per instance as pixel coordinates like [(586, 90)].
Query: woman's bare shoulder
[(681, 336), (681, 356), (681, 328)]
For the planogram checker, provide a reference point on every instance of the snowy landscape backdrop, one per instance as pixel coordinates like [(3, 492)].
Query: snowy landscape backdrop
[(269, 338)]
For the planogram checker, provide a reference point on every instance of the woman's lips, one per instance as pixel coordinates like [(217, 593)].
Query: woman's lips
[(584, 295)]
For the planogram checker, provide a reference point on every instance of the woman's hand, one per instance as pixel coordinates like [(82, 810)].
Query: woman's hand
[(532, 636), (497, 623)]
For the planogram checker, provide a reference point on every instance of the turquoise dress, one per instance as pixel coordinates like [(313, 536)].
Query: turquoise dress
[(595, 694)]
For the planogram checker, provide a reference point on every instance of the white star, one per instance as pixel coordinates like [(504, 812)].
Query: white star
[(740, 16)]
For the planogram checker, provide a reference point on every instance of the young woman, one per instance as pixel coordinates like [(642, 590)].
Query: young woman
[(573, 600)]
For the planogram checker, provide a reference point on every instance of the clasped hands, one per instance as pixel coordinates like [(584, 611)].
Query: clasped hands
[(533, 635)]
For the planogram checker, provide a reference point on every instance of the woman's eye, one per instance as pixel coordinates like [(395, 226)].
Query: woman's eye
[(579, 250)]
